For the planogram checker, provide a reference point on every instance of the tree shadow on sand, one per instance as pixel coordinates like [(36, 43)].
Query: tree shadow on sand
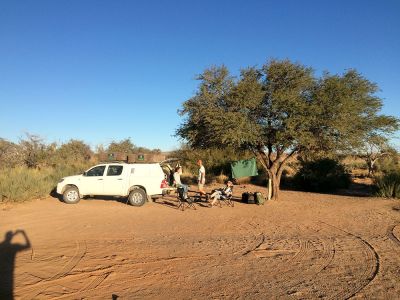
[(353, 190), (8, 252)]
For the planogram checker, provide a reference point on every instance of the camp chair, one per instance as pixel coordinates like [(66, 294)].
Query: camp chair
[(227, 199), (199, 197), (184, 200)]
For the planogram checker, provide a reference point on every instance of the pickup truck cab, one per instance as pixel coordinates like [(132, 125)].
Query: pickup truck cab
[(135, 181)]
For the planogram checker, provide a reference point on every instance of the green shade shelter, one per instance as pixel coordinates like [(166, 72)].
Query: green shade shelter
[(244, 168)]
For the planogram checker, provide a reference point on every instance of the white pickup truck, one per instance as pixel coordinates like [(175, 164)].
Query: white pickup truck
[(135, 181)]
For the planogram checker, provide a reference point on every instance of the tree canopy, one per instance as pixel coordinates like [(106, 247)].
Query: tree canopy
[(124, 146), (282, 109), (74, 150)]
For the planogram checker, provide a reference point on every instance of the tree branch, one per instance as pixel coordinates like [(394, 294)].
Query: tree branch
[(259, 155), (270, 162)]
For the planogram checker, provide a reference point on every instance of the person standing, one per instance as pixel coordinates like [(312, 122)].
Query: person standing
[(201, 179)]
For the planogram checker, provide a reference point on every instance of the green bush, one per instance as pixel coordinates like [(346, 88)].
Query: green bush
[(388, 185), (388, 164), (10, 154), (324, 175), (23, 183), (355, 164)]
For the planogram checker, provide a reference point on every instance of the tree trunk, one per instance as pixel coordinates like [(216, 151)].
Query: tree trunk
[(275, 187), (269, 189), (275, 183), (274, 169), (369, 164), (373, 166)]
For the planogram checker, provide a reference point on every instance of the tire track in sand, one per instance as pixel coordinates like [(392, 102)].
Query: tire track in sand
[(371, 266), (85, 291), (392, 235), (33, 290), (315, 253)]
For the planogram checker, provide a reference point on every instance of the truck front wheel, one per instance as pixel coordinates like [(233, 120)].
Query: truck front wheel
[(71, 195), (137, 197)]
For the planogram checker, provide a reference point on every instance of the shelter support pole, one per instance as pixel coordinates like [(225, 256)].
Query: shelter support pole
[(269, 188)]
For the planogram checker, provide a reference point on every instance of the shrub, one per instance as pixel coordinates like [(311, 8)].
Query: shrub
[(388, 164), (221, 178), (388, 185), (324, 175), (10, 154), (34, 150), (354, 163), (127, 146), (72, 151), (22, 183)]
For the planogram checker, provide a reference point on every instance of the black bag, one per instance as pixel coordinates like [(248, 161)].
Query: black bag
[(248, 198), (245, 197), (182, 194), (252, 199)]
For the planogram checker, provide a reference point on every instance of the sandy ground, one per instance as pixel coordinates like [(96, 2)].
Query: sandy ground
[(306, 246)]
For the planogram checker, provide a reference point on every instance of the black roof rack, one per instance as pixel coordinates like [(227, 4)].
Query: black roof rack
[(132, 157)]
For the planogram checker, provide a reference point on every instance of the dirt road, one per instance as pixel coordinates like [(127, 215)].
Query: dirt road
[(306, 246)]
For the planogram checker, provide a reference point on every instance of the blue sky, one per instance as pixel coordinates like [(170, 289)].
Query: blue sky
[(108, 70)]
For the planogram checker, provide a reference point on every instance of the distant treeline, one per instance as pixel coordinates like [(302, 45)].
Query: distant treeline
[(31, 168), (34, 152)]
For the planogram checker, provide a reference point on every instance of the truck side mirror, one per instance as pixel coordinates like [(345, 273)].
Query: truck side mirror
[(84, 174)]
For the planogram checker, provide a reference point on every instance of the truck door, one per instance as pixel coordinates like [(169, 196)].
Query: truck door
[(114, 181), (93, 181)]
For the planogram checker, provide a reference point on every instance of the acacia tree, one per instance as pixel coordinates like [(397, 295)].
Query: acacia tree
[(123, 146), (126, 146), (74, 150), (33, 149), (281, 110), (10, 154), (375, 147)]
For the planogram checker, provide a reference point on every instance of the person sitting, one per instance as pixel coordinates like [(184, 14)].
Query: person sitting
[(222, 193), (177, 180)]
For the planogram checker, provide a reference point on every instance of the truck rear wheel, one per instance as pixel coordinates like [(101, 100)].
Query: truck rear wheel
[(137, 197), (71, 195)]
